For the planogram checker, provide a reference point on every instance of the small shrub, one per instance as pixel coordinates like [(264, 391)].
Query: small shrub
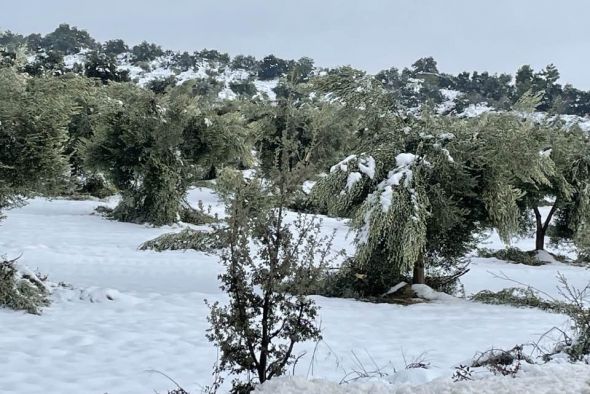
[(21, 290), (578, 310), (187, 239), (178, 391), (462, 373), (502, 362), (265, 261)]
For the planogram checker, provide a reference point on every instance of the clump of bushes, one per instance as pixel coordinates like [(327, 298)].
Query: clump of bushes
[(21, 290), (187, 239)]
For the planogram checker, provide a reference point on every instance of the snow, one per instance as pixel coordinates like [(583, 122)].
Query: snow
[(449, 104), (403, 172), (352, 179), (546, 257), (396, 288), (307, 186), (70, 61), (342, 165), (427, 293), (367, 166), (545, 153), (131, 311), (475, 110), (547, 379), (266, 88), (405, 159)]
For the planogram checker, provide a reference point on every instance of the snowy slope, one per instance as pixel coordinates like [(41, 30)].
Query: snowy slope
[(157, 320)]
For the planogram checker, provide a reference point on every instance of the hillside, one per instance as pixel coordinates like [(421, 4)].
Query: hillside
[(69, 49)]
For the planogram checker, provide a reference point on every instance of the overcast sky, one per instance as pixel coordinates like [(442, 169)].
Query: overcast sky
[(493, 35)]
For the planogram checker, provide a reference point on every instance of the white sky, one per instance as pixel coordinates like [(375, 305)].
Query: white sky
[(462, 35)]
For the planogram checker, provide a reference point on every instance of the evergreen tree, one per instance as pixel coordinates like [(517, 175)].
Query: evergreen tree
[(214, 135), (184, 61), (272, 67), (425, 65), (34, 114), (10, 41), (248, 63), (104, 67), (115, 47), (319, 133), (269, 267), (145, 52), (523, 81), (569, 188), (136, 145), (214, 57), (68, 40)]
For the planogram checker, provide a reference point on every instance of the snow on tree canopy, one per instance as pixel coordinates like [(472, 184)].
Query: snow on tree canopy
[(403, 171), (343, 165), (365, 164), (352, 179)]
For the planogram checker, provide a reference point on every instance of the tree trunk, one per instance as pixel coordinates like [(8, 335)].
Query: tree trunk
[(419, 277), (540, 239), (540, 234), (542, 227)]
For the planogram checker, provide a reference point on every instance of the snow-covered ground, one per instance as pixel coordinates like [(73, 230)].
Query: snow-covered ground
[(156, 320)]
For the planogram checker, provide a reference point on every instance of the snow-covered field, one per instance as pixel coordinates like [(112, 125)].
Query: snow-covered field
[(143, 311)]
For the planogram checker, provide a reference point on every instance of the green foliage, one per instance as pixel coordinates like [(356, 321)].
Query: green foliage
[(245, 88), (184, 61), (68, 40), (409, 187), (248, 63), (46, 63), (317, 134), (272, 67), (11, 41), (104, 67), (145, 52), (213, 56), (512, 255), (518, 297), (188, 239), (34, 114), (214, 134), (131, 148), (20, 291), (115, 47), (162, 85), (576, 307), (197, 216), (269, 264)]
